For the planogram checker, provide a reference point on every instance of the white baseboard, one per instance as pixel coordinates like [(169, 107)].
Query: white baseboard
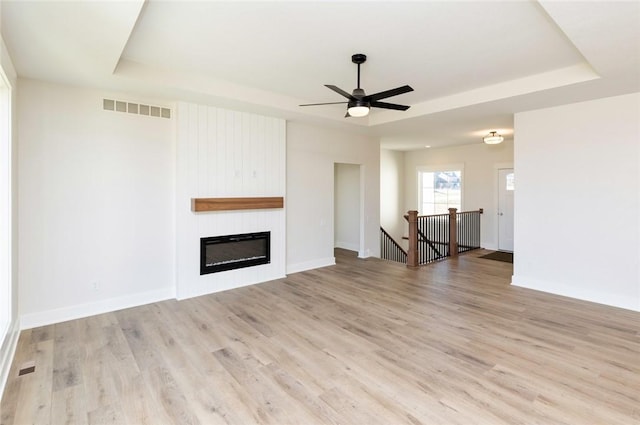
[(201, 291), (489, 245), (8, 346), (33, 320), (311, 264), (364, 254), (348, 245), (565, 290)]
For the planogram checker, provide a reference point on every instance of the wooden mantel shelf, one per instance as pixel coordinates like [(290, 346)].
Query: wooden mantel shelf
[(230, 204)]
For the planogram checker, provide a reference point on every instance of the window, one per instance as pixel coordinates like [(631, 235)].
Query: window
[(439, 189), (511, 184)]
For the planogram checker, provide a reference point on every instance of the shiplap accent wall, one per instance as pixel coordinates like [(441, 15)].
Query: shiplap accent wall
[(223, 153)]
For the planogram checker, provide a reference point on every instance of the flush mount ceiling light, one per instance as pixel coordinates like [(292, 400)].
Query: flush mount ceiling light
[(493, 138)]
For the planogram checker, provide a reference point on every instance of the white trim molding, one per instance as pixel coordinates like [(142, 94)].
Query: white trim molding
[(558, 288), (312, 264), (9, 346), (33, 320), (348, 246)]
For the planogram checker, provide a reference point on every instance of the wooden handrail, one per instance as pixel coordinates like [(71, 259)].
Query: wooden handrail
[(479, 210), (396, 244), (390, 249)]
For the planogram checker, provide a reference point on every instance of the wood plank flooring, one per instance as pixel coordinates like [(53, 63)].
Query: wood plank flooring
[(362, 342)]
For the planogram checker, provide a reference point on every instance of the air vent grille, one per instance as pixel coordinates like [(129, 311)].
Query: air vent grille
[(135, 108)]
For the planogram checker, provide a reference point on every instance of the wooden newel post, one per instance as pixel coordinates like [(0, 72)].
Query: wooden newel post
[(412, 252), (453, 232)]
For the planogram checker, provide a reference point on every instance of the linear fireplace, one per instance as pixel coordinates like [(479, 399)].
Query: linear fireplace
[(220, 253)]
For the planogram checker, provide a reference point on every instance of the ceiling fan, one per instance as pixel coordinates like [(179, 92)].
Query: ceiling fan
[(359, 102)]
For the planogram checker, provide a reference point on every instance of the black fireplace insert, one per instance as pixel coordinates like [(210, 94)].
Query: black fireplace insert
[(228, 252)]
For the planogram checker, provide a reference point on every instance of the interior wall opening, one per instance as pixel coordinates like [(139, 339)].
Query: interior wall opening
[(348, 210)]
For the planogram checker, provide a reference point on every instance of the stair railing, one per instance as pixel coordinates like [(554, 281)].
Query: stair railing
[(390, 249), (433, 237)]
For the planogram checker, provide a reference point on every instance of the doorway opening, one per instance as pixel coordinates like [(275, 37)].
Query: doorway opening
[(348, 213)]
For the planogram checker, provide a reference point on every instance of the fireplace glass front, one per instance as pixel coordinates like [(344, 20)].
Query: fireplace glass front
[(221, 253)]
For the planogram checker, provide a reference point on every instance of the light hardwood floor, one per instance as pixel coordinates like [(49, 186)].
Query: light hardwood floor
[(363, 342)]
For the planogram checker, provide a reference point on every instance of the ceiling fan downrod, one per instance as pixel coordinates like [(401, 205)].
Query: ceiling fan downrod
[(358, 59)]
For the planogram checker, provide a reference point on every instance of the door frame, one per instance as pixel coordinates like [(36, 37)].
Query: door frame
[(496, 204)]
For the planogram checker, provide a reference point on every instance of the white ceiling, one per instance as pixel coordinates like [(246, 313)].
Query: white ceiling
[(472, 64)]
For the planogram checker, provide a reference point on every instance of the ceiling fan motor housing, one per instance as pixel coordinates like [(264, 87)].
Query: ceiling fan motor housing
[(358, 93), (354, 103)]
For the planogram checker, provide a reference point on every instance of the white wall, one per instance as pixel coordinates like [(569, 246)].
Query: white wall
[(224, 153), (392, 204), (577, 198), (347, 207), (479, 185), (96, 197), (311, 154)]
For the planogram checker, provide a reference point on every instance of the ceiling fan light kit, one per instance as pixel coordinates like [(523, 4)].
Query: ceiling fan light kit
[(493, 138), (357, 109), (359, 103)]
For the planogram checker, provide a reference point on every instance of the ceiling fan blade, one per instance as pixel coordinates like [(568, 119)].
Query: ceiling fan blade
[(326, 103), (388, 93), (340, 91), (385, 105)]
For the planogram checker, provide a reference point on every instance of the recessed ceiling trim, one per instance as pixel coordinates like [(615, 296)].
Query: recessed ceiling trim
[(205, 85), (127, 24), (544, 81)]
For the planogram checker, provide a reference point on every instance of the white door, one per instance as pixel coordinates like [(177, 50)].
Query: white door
[(506, 188)]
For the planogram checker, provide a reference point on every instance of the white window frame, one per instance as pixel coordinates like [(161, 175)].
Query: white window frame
[(436, 168)]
